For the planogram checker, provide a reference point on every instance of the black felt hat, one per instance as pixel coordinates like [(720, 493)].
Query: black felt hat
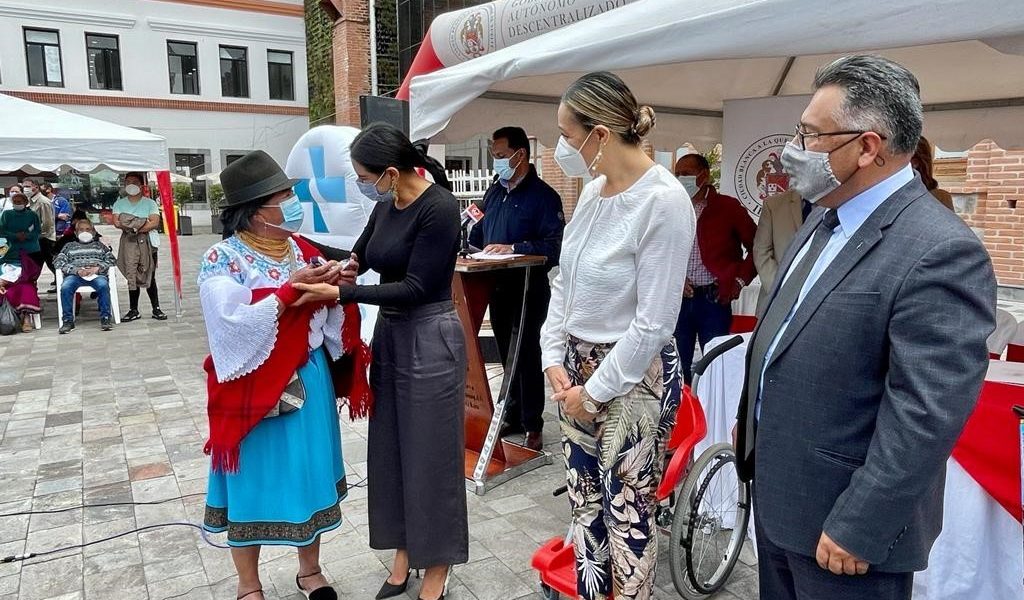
[(252, 177)]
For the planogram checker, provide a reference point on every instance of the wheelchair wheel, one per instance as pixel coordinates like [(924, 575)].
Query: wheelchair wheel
[(710, 524)]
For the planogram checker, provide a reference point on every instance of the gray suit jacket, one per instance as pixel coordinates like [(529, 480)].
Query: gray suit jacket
[(871, 384)]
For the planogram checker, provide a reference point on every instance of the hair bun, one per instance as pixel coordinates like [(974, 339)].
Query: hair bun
[(645, 121)]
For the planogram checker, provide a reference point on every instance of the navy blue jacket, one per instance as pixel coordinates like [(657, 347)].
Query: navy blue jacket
[(529, 217)]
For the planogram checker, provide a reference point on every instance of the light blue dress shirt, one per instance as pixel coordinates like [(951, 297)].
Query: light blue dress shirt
[(852, 214)]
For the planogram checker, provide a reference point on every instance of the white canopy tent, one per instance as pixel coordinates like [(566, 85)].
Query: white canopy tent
[(36, 137), (686, 57)]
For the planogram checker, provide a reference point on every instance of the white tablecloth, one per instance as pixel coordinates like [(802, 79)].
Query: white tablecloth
[(746, 304), (980, 553)]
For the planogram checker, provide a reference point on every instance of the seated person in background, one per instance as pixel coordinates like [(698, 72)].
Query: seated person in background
[(85, 261), (69, 235), (20, 265)]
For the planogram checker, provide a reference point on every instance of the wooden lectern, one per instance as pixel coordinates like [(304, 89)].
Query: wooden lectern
[(490, 460)]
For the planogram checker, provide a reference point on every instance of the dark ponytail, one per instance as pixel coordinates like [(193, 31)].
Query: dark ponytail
[(381, 145)]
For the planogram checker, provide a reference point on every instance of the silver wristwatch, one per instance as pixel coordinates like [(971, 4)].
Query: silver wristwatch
[(589, 404)]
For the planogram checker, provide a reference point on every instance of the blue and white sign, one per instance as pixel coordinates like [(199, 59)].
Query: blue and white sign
[(336, 212)]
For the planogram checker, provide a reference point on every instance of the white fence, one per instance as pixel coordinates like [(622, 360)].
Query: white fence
[(470, 185)]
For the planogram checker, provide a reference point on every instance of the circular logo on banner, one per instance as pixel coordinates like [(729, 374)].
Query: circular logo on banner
[(759, 173)]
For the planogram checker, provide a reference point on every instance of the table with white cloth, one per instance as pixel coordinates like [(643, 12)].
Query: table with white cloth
[(979, 554), (746, 304)]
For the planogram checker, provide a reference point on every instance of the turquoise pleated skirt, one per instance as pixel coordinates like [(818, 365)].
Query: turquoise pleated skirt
[(291, 474)]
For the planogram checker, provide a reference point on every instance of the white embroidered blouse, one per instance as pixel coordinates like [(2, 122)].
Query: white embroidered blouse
[(242, 333), (623, 266)]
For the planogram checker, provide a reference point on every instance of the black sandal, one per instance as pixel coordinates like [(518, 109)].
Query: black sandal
[(321, 593), (250, 593)]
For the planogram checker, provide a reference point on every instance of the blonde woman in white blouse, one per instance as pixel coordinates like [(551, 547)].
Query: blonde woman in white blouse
[(607, 344)]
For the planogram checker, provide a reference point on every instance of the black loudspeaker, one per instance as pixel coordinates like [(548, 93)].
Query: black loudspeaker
[(379, 109)]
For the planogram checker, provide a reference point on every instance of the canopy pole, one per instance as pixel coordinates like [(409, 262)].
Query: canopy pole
[(784, 75)]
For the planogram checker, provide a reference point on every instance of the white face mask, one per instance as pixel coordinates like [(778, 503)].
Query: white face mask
[(571, 160), (132, 190), (689, 184), (85, 237)]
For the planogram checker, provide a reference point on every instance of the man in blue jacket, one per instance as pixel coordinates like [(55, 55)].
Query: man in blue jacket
[(522, 215)]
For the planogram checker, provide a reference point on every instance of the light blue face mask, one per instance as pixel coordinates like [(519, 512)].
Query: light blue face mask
[(293, 214), (504, 169), (370, 191)]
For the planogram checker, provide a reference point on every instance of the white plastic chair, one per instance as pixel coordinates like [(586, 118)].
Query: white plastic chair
[(1006, 328), (88, 289)]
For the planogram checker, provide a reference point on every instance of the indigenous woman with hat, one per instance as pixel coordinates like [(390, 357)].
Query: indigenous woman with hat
[(276, 473), (416, 485)]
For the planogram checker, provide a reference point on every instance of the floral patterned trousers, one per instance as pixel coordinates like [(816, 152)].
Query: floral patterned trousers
[(613, 468)]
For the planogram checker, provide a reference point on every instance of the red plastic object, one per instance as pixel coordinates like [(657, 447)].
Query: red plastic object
[(995, 356), (743, 324), (691, 427), (1015, 353), (556, 563)]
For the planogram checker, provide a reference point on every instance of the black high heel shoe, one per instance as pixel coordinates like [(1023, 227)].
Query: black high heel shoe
[(444, 589), (390, 590), (321, 593)]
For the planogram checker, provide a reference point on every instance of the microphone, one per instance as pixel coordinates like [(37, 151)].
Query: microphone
[(472, 214)]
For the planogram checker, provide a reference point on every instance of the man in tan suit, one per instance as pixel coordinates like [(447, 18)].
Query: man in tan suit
[(781, 216)]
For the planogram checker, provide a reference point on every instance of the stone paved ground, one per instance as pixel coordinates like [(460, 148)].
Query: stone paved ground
[(94, 417)]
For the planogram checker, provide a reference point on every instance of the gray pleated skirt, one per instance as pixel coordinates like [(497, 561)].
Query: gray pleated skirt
[(415, 478)]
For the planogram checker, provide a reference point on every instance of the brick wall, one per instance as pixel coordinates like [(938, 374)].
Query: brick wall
[(996, 178), (567, 187), (351, 58)]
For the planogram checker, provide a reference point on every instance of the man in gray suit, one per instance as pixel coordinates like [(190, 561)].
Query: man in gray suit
[(870, 354)]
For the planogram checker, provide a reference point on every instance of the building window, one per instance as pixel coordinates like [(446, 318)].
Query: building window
[(192, 165), (234, 72), (183, 66), (279, 69), (230, 158), (42, 52), (104, 58)]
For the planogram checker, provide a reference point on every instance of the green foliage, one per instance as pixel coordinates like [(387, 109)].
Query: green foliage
[(216, 196), (319, 63), (182, 193), (714, 157)]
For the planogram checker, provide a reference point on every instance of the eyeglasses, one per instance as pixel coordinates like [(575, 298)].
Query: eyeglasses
[(802, 135)]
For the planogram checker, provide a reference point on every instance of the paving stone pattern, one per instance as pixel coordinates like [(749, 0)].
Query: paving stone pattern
[(100, 418)]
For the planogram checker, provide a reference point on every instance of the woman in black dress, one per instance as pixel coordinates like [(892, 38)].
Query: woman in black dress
[(417, 498)]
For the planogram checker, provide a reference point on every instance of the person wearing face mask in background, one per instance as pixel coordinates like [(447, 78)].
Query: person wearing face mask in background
[(870, 354), (415, 451), (61, 211), (138, 217), (21, 264), (721, 263), (40, 203), (607, 346), (522, 215), (85, 262), (5, 201), (276, 474)]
